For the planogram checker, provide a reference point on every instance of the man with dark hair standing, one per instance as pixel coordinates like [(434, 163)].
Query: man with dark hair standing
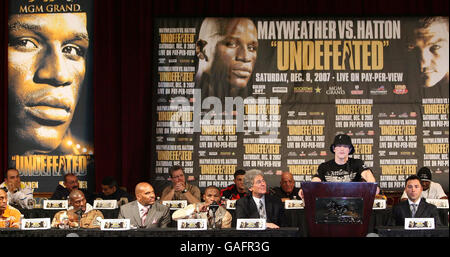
[(180, 189), (237, 190), (415, 207), (112, 191)]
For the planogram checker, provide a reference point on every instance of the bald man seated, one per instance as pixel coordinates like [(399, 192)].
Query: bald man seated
[(287, 189), (79, 214), (145, 212)]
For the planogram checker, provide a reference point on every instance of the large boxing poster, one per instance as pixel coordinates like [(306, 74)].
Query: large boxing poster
[(50, 96), (271, 93)]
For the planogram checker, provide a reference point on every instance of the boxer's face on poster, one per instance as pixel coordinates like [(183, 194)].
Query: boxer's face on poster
[(234, 54), (429, 47), (46, 68)]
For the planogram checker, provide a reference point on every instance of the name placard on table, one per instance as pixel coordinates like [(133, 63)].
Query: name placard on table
[(294, 204), (115, 224), (105, 204), (192, 224), (231, 204), (33, 224), (55, 204), (419, 223), (379, 204), (251, 224), (175, 205)]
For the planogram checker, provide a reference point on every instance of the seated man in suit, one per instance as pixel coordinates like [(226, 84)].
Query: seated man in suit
[(88, 216), (431, 190), (415, 206), (259, 204), (202, 211), (144, 212)]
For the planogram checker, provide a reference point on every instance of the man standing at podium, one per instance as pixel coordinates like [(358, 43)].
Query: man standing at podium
[(343, 168)]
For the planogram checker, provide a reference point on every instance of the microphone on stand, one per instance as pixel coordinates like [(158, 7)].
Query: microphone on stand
[(213, 207), (79, 212)]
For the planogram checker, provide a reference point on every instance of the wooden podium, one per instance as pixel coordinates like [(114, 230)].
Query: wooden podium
[(338, 209)]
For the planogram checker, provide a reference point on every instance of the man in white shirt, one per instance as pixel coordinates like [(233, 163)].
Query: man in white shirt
[(19, 194), (431, 190)]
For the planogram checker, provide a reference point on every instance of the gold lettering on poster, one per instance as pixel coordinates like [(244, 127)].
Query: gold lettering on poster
[(262, 149), (398, 130), (436, 148), (435, 108), (174, 155), (217, 169), (305, 130), (46, 165), (354, 109), (398, 169), (176, 76), (303, 169), (330, 55)]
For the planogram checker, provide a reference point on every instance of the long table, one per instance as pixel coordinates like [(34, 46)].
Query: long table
[(294, 218), (402, 232), (157, 232)]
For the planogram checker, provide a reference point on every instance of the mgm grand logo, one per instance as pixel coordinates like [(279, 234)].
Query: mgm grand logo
[(335, 90), (49, 6)]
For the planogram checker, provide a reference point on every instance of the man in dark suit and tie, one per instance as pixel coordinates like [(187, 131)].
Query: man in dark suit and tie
[(259, 204), (415, 206), (145, 212)]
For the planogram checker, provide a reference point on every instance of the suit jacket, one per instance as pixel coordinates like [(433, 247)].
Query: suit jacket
[(425, 210), (158, 215), (246, 208)]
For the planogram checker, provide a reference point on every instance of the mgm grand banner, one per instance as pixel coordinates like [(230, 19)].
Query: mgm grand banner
[(272, 93), (50, 107)]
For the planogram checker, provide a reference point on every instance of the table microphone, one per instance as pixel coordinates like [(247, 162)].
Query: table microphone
[(214, 206)]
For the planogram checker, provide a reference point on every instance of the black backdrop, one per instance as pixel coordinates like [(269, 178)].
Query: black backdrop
[(122, 76)]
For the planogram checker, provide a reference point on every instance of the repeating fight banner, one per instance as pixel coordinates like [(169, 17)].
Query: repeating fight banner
[(50, 98), (272, 93)]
